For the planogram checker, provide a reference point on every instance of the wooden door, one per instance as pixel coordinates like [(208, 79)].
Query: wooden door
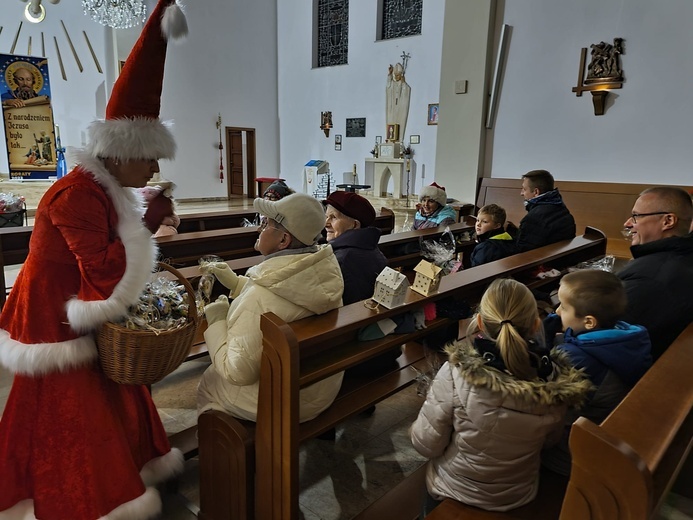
[(240, 158)]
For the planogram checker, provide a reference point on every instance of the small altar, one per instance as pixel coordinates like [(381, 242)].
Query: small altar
[(381, 169)]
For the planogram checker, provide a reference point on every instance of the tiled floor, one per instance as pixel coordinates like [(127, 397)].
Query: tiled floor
[(338, 478)]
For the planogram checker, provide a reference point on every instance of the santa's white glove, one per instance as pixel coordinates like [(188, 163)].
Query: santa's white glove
[(218, 310), (224, 274)]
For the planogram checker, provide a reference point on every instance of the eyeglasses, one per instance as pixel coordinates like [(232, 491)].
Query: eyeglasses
[(264, 224), (635, 216)]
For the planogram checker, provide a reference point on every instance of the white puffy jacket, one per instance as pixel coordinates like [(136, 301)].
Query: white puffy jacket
[(292, 286)]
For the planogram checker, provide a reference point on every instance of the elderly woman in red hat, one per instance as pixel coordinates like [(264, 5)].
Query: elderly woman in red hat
[(74, 444), (348, 223)]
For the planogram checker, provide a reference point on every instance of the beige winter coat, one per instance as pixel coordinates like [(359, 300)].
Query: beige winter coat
[(483, 429), (292, 286)]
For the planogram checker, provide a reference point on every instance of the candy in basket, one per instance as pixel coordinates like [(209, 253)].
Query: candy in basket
[(156, 335)]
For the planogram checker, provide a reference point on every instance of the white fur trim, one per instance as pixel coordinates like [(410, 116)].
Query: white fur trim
[(162, 468), (140, 254), (144, 507), (174, 25), (435, 194), (136, 138), (42, 358)]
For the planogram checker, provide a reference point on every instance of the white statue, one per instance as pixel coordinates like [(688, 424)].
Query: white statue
[(397, 94)]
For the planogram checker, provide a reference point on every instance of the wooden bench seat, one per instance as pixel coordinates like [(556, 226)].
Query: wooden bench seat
[(299, 353), (232, 218), (623, 468), (213, 233)]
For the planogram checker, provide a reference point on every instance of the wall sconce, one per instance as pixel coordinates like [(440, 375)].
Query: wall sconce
[(326, 122), (603, 73)]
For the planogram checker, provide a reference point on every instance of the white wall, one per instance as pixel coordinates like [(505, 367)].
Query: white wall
[(353, 90), (645, 134), (227, 65)]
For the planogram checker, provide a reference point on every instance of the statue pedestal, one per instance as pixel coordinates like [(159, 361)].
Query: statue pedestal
[(383, 168)]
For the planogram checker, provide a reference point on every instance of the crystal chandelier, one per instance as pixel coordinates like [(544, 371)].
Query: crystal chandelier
[(118, 14)]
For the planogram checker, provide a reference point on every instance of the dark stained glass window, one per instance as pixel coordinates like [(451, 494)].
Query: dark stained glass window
[(333, 32), (401, 18)]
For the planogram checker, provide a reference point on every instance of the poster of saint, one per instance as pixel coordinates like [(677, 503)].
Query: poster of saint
[(28, 117)]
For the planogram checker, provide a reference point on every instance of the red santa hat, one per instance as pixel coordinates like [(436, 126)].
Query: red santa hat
[(132, 129)]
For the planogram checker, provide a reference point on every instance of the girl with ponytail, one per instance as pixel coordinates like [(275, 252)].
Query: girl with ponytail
[(493, 406)]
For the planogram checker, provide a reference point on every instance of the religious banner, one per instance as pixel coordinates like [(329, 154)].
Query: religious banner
[(28, 117)]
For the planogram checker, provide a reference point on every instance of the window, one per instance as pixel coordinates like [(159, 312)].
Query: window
[(401, 18), (332, 33)]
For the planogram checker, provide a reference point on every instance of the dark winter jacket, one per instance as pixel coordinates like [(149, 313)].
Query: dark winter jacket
[(547, 221), (659, 284), (614, 360), (361, 262), (493, 245)]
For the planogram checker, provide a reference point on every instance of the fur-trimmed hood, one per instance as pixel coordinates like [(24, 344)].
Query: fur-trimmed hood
[(567, 385)]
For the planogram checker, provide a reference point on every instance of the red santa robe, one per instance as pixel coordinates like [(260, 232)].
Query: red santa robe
[(74, 444)]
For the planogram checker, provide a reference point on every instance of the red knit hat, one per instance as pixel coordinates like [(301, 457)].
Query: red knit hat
[(132, 129), (352, 205)]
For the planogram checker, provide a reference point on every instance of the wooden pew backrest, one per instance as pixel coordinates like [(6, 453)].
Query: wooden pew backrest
[(603, 205), (624, 467)]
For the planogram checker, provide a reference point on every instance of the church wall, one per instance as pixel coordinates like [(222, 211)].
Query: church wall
[(353, 90), (645, 134), (227, 65)]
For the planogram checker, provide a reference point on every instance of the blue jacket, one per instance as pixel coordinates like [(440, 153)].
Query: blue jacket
[(442, 216), (547, 221), (625, 350), (614, 360)]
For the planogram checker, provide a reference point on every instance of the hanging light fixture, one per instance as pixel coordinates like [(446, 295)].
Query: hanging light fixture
[(118, 14)]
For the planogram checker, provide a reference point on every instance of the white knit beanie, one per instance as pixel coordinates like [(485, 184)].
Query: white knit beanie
[(434, 192)]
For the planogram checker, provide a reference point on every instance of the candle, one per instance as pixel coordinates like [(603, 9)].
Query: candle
[(57, 132)]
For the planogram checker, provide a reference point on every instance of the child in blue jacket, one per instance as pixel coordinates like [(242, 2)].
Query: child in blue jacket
[(613, 353)]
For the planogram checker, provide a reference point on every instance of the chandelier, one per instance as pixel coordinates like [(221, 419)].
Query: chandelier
[(118, 14)]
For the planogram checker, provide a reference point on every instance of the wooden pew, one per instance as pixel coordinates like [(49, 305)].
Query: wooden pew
[(300, 353), (183, 249), (391, 245), (603, 205), (624, 467), (190, 222), (14, 248)]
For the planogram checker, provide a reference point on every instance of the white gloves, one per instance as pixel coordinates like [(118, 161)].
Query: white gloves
[(218, 310), (224, 274)]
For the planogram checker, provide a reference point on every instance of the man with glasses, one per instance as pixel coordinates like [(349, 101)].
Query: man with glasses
[(297, 278), (659, 279)]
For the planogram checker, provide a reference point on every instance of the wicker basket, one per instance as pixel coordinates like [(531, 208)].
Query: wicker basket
[(142, 357)]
